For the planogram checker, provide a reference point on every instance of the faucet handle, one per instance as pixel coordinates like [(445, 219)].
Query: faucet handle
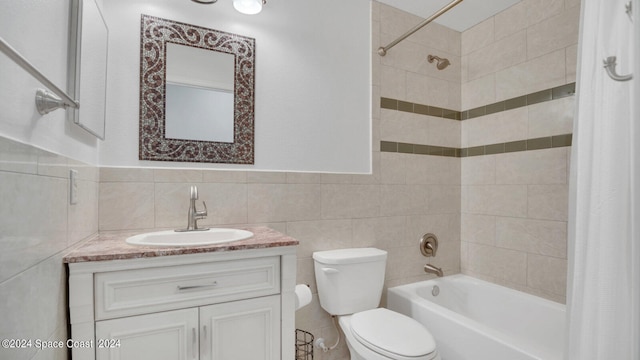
[(202, 213)]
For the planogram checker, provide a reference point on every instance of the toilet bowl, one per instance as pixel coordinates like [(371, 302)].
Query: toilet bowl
[(350, 286), (382, 334)]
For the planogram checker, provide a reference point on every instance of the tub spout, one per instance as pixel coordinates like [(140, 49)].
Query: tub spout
[(433, 270)]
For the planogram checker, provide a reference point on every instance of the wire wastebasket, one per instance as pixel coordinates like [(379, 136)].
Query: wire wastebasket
[(304, 345)]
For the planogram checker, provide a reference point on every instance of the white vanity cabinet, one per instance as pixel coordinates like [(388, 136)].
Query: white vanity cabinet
[(231, 305)]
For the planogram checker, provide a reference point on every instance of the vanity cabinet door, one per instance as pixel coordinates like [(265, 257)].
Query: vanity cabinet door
[(241, 330), (171, 335)]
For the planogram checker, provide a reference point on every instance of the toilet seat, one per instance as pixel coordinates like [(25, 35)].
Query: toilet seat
[(393, 335)]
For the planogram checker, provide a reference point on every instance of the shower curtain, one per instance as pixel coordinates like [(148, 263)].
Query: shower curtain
[(603, 302)]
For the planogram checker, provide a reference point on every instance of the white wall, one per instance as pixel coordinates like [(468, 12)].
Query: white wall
[(38, 30), (313, 82)]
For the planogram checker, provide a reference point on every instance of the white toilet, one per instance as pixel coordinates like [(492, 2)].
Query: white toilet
[(349, 286)]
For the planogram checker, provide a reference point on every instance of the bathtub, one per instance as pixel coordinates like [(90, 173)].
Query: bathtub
[(472, 319)]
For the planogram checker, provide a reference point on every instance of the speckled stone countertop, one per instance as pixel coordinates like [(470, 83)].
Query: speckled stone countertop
[(111, 246)]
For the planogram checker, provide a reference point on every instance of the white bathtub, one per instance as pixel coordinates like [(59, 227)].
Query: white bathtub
[(473, 319)]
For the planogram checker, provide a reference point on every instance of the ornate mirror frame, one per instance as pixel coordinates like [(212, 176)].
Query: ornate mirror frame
[(155, 33)]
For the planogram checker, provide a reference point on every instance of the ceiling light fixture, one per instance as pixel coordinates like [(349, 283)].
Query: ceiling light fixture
[(249, 7)]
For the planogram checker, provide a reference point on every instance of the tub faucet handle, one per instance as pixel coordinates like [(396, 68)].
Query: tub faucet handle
[(428, 245)]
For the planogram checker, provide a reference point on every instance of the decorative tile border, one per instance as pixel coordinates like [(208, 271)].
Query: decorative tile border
[(520, 101), (500, 148)]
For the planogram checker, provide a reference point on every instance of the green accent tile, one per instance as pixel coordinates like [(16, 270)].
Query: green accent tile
[(435, 150), (421, 149), (464, 152), (540, 96), (405, 148), (514, 146), (539, 143), (464, 115), (435, 111), (563, 91), (494, 108), (405, 106), (451, 152), (494, 149), (458, 153), (421, 109), (479, 111), (451, 114), (515, 102), (388, 146), (475, 151), (387, 103), (561, 140)]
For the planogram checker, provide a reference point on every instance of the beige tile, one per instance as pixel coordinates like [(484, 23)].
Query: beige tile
[(18, 157), (50, 164), (441, 38), (124, 206), (504, 53), (111, 174), (504, 200), (571, 3), (479, 170), (303, 178), (504, 126), (447, 229), (554, 33), (394, 167), (534, 75), (282, 202), (227, 203), (221, 176), (433, 170), (393, 83), (380, 232), (443, 199), (350, 201), (539, 10), (177, 176), (547, 166), (375, 176), (479, 229), (266, 177), (33, 219), (404, 262), (551, 118), (502, 264), (432, 91), (83, 216), (548, 274), (548, 202), (444, 132), (532, 236), (404, 127), (511, 20), (571, 62), (320, 235), (478, 92), (402, 200), (477, 37)]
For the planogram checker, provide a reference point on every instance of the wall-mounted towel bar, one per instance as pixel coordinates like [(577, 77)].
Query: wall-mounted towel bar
[(45, 100)]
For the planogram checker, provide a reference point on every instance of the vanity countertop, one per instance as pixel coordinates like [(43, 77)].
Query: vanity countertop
[(112, 246)]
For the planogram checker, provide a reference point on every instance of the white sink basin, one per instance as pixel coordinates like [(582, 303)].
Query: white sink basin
[(189, 238)]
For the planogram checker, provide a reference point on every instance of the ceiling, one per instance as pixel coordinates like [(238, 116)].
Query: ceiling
[(461, 17)]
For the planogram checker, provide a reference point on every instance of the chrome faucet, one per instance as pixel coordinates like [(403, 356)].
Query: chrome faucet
[(433, 270), (194, 214)]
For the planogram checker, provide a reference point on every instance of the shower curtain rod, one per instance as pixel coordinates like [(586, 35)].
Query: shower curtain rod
[(382, 51)]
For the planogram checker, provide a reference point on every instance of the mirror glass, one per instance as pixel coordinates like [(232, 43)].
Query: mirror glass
[(199, 94), (196, 93), (87, 81)]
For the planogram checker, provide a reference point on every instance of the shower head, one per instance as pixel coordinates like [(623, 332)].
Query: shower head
[(442, 62)]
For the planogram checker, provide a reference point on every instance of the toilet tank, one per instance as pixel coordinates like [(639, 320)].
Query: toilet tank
[(349, 280)]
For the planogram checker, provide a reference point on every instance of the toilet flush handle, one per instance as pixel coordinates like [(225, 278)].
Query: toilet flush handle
[(330, 271)]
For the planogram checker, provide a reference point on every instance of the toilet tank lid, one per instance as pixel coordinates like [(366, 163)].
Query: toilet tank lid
[(350, 256)]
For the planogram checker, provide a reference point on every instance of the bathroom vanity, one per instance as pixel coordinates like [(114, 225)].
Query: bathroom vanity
[(233, 300)]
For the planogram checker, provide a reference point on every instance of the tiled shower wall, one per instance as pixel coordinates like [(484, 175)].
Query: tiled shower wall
[(37, 227), (514, 205)]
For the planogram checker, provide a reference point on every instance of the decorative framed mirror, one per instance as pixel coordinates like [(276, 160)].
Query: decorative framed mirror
[(196, 93)]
